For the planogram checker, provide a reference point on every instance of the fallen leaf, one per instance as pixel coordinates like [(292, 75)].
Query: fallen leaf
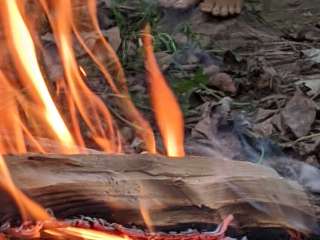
[(313, 54), (299, 114), (114, 37), (312, 83), (263, 114)]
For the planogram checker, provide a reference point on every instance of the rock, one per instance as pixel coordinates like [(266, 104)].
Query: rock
[(211, 70), (223, 82)]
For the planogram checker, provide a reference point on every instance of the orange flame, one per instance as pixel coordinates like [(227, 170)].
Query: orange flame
[(20, 40), (10, 121), (27, 207), (33, 111), (144, 210), (30, 114), (90, 107), (118, 84), (167, 111), (31, 210)]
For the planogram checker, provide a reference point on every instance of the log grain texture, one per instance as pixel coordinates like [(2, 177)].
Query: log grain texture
[(175, 192)]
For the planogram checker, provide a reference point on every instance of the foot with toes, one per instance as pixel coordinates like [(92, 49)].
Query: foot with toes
[(221, 8)]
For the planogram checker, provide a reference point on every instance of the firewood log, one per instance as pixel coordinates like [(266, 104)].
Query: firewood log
[(184, 192)]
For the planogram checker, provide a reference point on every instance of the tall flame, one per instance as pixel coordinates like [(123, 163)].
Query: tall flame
[(10, 121), (118, 84), (25, 57), (29, 113), (167, 111), (91, 108), (34, 113)]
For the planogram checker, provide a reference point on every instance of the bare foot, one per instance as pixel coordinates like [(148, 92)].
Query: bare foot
[(178, 4), (222, 7)]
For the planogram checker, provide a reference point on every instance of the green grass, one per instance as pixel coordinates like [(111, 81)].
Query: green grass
[(185, 86), (131, 16)]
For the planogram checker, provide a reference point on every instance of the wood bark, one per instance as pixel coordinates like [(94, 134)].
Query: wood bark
[(175, 192)]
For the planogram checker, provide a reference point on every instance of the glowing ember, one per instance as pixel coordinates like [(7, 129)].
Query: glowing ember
[(100, 229), (83, 234)]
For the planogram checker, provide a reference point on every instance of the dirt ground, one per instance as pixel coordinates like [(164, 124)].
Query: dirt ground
[(271, 52), (259, 69)]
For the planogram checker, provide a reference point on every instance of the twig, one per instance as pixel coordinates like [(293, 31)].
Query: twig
[(315, 135)]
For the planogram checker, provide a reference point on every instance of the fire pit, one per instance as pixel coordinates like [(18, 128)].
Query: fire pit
[(47, 164)]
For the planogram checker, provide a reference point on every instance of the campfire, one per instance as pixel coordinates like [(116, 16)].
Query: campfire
[(65, 184)]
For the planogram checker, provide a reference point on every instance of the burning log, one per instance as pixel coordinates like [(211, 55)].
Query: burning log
[(171, 193)]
